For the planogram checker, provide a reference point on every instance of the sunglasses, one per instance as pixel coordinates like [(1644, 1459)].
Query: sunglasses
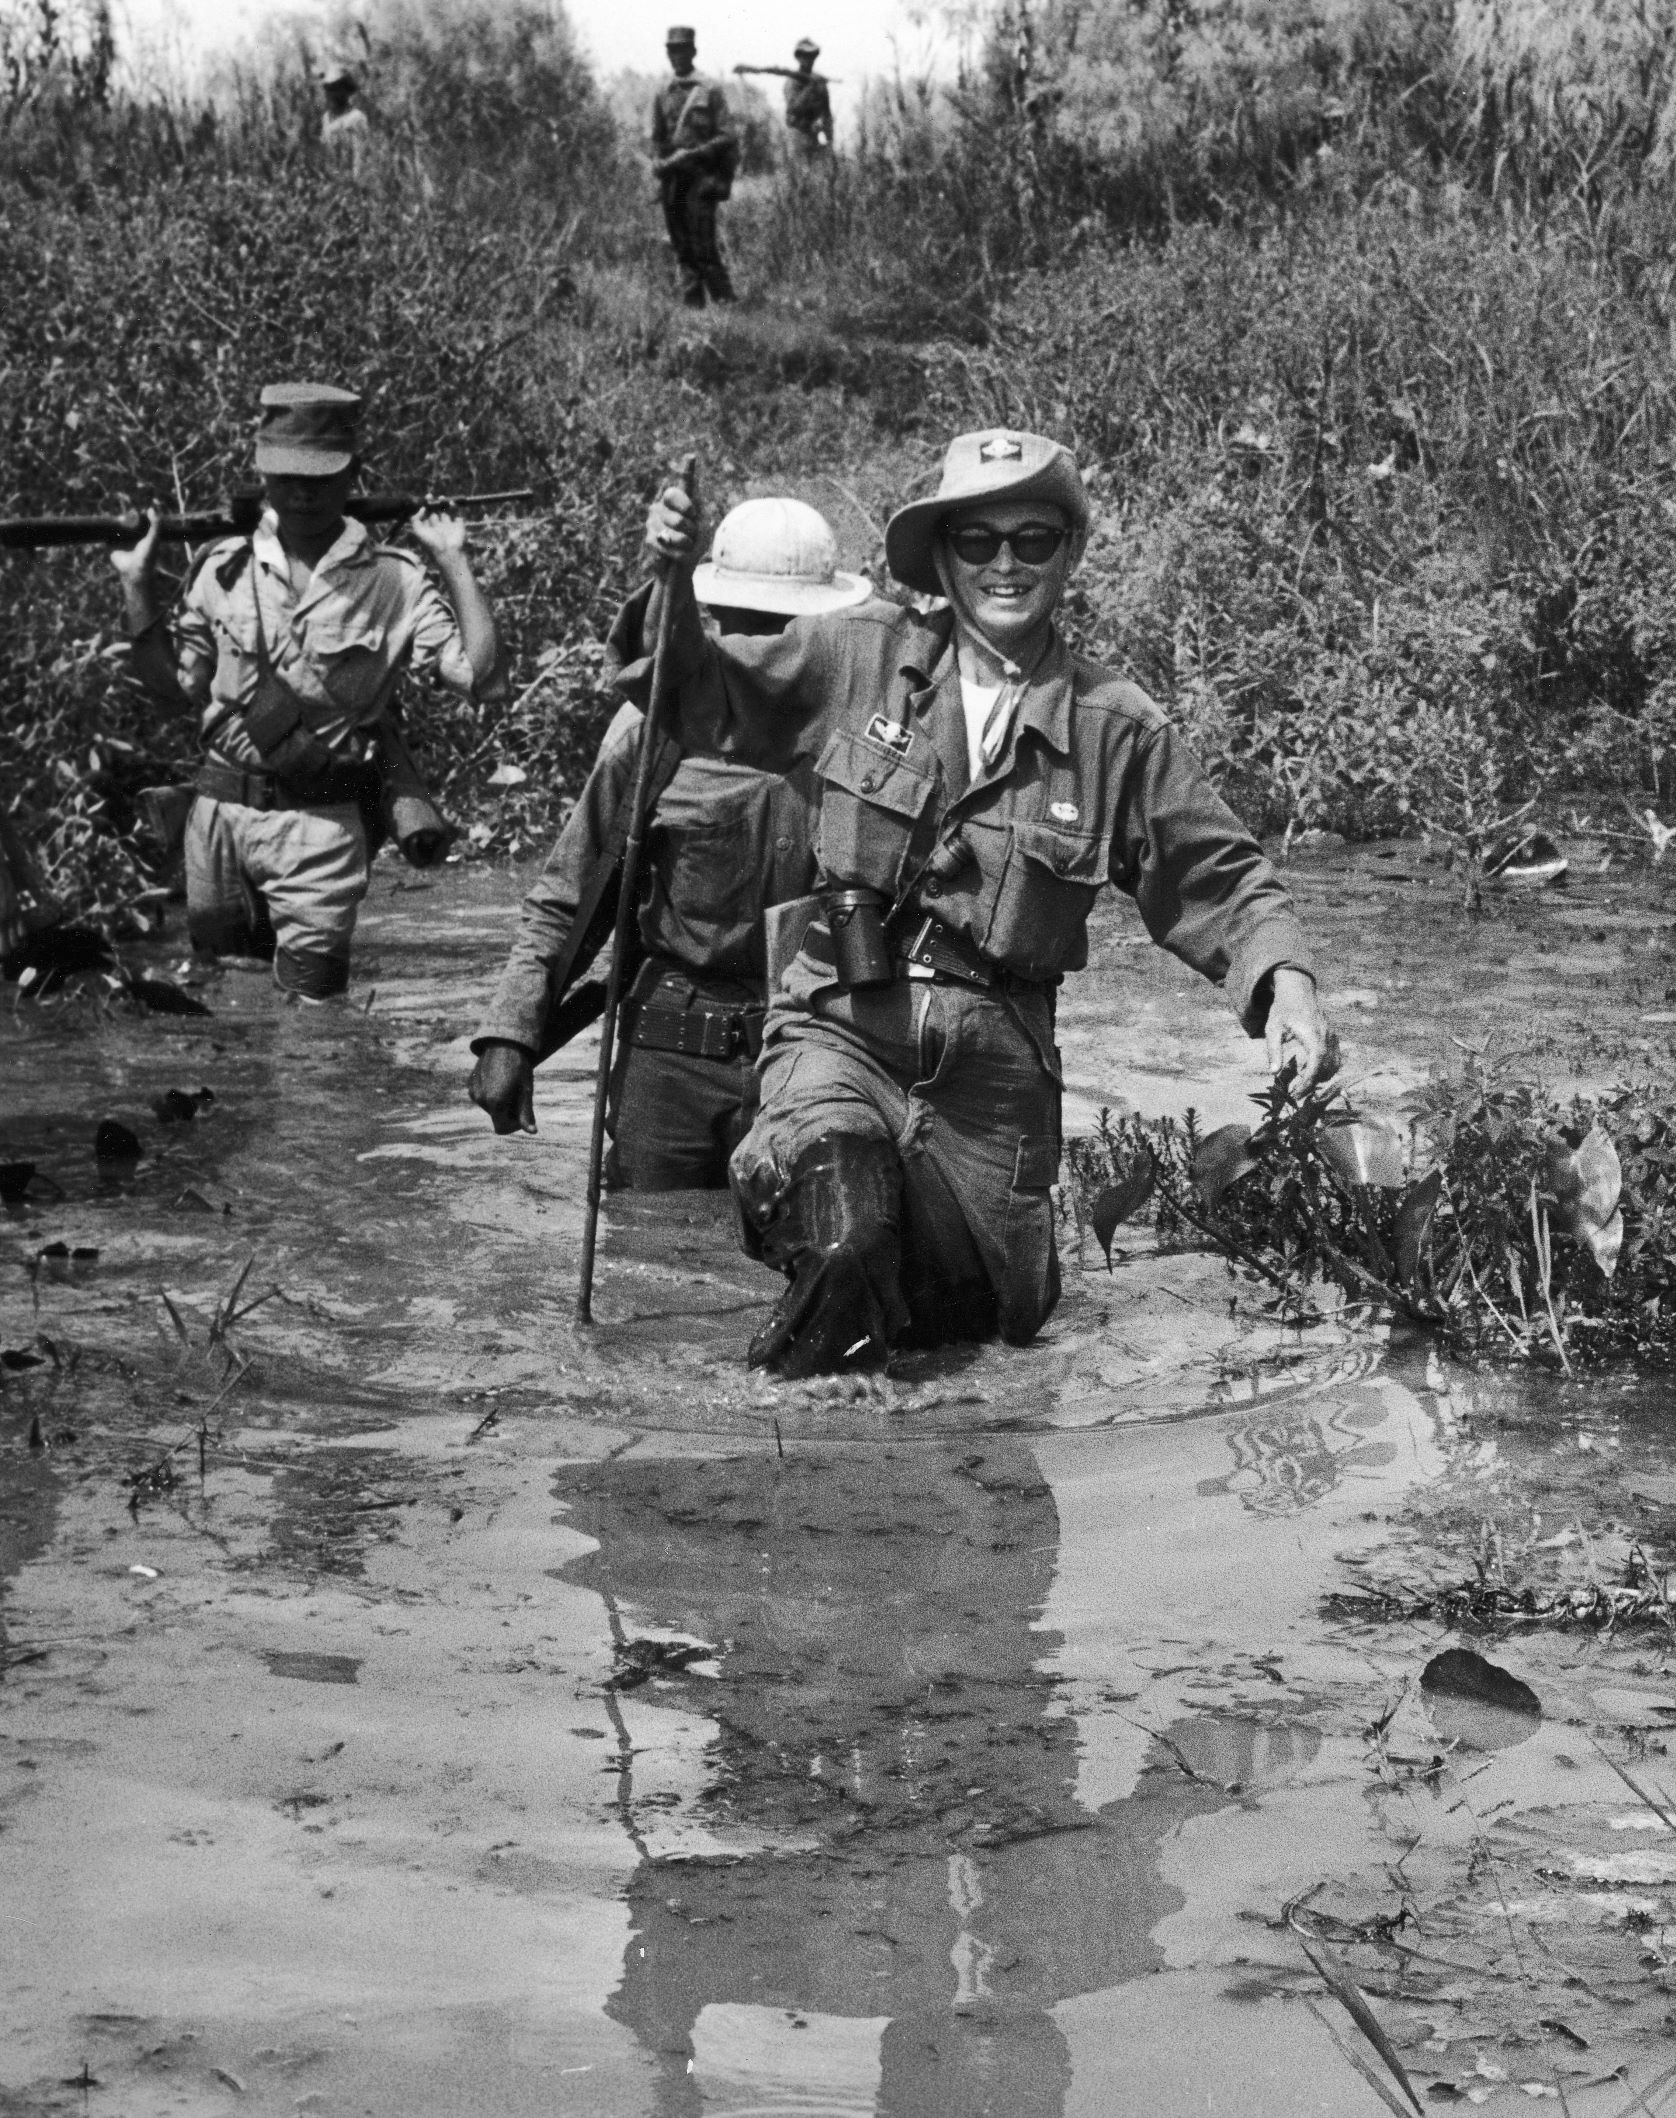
[(977, 544)]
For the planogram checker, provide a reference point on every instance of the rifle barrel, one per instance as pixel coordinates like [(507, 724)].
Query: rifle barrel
[(26, 533)]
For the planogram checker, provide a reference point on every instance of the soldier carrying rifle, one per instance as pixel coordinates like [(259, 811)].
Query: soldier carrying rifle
[(808, 101), (290, 643)]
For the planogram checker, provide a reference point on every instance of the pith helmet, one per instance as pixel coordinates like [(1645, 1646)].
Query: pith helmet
[(307, 429), (805, 44), (1000, 463), (779, 556)]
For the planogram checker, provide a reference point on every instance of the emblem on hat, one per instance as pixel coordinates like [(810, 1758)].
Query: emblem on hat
[(1001, 448)]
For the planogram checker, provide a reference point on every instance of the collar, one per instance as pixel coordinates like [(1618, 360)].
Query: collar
[(352, 547), (928, 661)]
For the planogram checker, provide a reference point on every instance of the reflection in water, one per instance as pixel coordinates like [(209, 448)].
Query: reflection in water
[(881, 1708), (1291, 1453)]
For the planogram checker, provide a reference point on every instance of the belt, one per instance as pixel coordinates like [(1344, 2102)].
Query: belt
[(948, 955), (266, 790), (696, 1031)]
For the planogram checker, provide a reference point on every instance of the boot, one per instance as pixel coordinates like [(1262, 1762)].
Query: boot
[(835, 1231)]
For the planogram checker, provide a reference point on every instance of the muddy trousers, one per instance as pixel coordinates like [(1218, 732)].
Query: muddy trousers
[(285, 883), (899, 1173), (690, 215), (676, 1116)]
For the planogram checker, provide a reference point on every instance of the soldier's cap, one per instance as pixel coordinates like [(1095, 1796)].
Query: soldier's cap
[(805, 44), (679, 33), (779, 556), (1000, 463), (336, 75), (307, 429)]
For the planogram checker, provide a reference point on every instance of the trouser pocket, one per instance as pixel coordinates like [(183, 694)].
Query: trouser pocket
[(1030, 1262)]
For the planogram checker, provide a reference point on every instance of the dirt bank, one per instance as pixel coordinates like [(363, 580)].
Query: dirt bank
[(413, 1705)]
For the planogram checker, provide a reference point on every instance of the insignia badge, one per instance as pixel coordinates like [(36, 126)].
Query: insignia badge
[(890, 735), (1063, 812), (1001, 448)]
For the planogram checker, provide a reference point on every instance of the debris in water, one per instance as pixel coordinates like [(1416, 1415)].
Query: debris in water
[(15, 1179), (1223, 1159), (1529, 858), (1586, 1184), (1364, 1151), (163, 997), (1118, 1201), (114, 1142), (144, 1573), (178, 1106), (1478, 1702)]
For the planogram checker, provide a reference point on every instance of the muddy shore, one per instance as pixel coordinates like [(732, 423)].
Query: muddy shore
[(412, 1704)]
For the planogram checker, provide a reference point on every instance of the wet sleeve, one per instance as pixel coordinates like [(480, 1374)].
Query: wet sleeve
[(437, 648), (518, 1012), (1200, 881)]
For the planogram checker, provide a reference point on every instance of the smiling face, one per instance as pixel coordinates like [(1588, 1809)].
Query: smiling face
[(1005, 599)]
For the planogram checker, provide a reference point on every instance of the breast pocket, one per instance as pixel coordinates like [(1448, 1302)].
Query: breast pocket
[(349, 657), (1045, 893), (707, 854), (871, 804)]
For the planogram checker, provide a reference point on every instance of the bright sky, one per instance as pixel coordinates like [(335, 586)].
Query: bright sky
[(858, 38)]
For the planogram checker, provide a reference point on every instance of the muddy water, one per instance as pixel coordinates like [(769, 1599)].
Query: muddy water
[(413, 1704)]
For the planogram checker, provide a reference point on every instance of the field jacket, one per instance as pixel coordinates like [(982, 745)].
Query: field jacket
[(726, 841), (1093, 786)]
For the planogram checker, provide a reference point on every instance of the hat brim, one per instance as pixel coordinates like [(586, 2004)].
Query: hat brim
[(911, 533), (275, 459), (773, 593)]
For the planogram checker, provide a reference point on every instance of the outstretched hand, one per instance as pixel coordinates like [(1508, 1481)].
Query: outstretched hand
[(1298, 1032), (503, 1084)]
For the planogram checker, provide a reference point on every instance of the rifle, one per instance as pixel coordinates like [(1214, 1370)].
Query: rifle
[(237, 517), (628, 906), (792, 73)]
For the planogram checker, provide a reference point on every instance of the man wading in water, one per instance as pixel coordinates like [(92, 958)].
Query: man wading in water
[(977, 783)]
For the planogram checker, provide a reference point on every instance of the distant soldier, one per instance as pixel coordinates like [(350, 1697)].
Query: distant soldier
[(344, 132), (290, 644), (728, 845), (808, 105), (694, 154)]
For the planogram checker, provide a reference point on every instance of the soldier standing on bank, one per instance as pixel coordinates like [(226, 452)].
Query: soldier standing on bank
[(728, 844), (808, 105), (290, 644), (344, 132), (695, 152)]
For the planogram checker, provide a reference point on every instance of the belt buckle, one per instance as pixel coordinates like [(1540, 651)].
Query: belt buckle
[(918, 950)]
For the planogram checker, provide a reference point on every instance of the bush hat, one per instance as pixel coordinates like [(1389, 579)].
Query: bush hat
[(778, 556), (1000, 463), (307, 429)]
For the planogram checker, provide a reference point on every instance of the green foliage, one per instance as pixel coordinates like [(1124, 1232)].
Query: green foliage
[(1479, 1241)]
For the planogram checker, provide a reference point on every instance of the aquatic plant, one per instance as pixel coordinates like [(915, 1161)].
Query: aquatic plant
[(1513, 1226)]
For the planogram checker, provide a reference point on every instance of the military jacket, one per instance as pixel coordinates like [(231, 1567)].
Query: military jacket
[(809, 106), (368, 614), (1093, 786), (726, 842), (692, 113)]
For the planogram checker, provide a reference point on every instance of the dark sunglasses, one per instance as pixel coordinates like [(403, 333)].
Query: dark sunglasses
[(1034, 545)]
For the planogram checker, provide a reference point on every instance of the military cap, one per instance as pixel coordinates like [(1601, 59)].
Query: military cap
[(805, 44), (306, 429), (1000, 463), (679, 33), (779, 556)]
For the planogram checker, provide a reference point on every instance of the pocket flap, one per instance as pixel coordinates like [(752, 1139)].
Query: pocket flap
[(873, 775), (1071, 855), (1037, 1165)]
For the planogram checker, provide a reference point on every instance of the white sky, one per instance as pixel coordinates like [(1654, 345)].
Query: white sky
[(858, 38)]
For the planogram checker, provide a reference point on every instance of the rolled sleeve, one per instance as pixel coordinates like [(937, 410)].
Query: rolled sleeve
[(518, 1012), (438, 650), (1200, 881)]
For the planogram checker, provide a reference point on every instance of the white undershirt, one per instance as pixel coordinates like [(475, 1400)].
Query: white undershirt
[(978, 700)]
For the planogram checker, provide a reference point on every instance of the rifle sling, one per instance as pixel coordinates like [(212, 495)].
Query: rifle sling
[(596, 909)]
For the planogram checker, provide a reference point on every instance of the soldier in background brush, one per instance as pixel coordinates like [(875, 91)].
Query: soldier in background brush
[(695, 153), (344, 131), (808, 102), (289, 644)]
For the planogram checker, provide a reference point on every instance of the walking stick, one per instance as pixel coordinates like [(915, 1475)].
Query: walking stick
[(627, 908)]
